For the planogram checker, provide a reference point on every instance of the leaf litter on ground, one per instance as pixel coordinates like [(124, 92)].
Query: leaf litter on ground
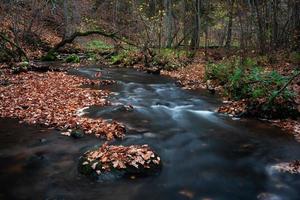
[(53, 99)]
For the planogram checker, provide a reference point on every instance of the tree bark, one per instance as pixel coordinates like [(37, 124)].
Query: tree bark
[(230, 22), (260, 31), (168, 23), (196, 30), (87, 33)]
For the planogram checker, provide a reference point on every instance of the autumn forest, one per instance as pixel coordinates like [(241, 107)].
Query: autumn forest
[(150, 99)]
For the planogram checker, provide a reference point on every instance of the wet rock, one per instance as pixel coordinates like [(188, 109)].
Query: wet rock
[(154, 70), (125, 108), (77, 133), (43, 140), (122, 108), (120, 161), (268, 196)]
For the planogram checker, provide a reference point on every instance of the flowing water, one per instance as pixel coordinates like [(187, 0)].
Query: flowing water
[(205, 155)]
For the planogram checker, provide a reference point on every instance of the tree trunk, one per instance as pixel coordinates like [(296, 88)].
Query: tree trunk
[(275, 24), (186, 23), (196, 30), (229, 30), (169, 23), (260, 31)]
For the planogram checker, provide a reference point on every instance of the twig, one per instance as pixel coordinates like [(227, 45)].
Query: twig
[(283, 88)]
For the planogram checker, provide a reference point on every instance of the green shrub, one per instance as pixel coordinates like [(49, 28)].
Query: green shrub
[(125, 57), (247, 80), (73, 58), (50, 56), (220, 72)]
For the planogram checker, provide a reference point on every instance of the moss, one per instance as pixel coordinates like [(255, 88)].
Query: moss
[(73, 58), (98, 45), (50, 56)]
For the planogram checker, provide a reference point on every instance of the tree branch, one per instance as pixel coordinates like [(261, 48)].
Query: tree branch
[(283, 88), (70, 39)]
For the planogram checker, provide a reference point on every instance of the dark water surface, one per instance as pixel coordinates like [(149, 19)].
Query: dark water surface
[(205, 155)]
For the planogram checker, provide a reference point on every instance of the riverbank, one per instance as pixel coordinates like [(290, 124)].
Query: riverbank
[(54, 99), (193, 77)]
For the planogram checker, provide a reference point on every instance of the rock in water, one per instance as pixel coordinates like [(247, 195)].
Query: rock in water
[(120, 161), (78, 133)]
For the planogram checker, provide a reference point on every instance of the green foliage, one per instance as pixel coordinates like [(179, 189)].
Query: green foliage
[(125, 57), (119, 58), (170, 59), (220, 72), (92, 56), (247, 80), (98, 45), (73, 58), (50, 56)]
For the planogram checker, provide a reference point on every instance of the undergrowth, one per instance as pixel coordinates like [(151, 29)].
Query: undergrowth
[(247, 80)]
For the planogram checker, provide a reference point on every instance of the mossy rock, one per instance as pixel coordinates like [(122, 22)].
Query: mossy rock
[(77, 134)]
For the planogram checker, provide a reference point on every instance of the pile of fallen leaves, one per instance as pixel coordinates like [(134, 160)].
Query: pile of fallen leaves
[(292, 126), (53, 99), (289, 167), (109, 157), (233, 108), (190, 77)]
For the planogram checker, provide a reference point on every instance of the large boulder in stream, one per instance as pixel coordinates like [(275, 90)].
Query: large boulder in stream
[(120, 161)]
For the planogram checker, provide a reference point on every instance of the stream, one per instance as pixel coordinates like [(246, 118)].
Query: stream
[(205, 155)]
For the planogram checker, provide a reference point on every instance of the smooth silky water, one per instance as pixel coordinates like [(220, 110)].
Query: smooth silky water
[(205, 154)]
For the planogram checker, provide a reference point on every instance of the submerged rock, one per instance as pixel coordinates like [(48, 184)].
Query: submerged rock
[(120, 161)]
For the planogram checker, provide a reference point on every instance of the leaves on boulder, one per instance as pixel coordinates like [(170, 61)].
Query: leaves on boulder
[(109, 157)]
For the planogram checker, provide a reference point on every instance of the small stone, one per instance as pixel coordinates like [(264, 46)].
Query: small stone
[(43, 140)]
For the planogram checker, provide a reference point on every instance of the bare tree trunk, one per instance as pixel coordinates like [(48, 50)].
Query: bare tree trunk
[(260, 31), (196, 33), (296, 25), (229, 30), (152, 8), (275, 24), (67, 31), (169, 23), (186, 23)]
